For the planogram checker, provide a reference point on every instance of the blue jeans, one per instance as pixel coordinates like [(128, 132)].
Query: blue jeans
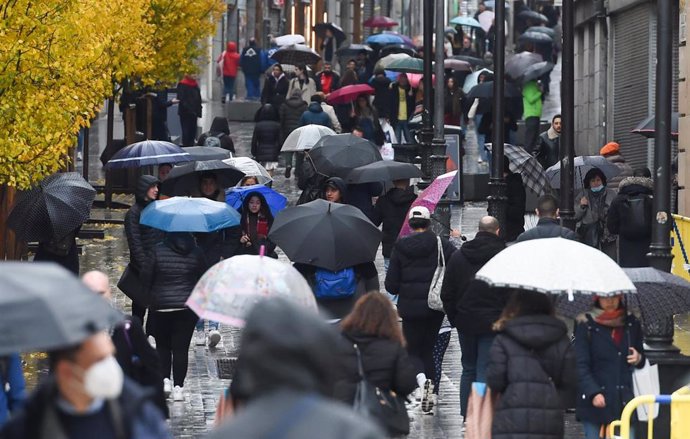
[(392, 297), (402, 128), (475, 360), (229, 86), (211, 325), (253, 88), (481, 138), (592, 430)]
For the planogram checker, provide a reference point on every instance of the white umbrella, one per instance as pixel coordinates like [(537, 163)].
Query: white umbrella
[(250, 167), (486, 19), (304, 138), (286, 40), (556, 266), (473, 78)]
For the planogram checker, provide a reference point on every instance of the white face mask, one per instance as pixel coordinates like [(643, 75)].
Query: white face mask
[(104, 379)]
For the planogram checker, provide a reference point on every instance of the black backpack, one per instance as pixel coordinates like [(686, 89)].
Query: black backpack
[(636, 217)]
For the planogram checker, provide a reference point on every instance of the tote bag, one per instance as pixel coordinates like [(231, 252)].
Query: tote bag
[(434, 297), (646, 382)]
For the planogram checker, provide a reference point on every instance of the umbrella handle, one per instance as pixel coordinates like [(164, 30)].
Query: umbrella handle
[(262, 250), (462, 237)]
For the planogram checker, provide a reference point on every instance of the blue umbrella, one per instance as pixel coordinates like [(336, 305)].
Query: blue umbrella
[(182, 214), (382, 39), (235, 196), (465, 21), (148, 152)]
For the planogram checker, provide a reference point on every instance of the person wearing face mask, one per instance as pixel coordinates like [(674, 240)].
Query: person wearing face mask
[(256, 222), (87, 396), (591, 212)]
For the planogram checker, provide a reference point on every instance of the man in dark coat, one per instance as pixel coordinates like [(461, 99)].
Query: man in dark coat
[(290, 115), (548, 146), (315, 114), (284, 380), (548, 225), (189, 108), (275, 87), (250, 61), (515, 203), (220, 129), (382, 92), (327, 81), (472, 307)]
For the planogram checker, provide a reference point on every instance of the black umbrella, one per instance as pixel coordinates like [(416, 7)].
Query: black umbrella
[(55, 207), (353, 50), (647, 127), (383, 171), (659, 295), (201, 153), (533, 15), (338, 33), (543, 29), (397, 48), (535, 37), (536, 71), (45, 307), (296, 54), (183, 180), (518, 63), (470, 59), (337, 155), (486, 90), (327, 235)]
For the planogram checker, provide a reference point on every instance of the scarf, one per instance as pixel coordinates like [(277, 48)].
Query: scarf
[(552, 134), (611, 319), (256, 227)]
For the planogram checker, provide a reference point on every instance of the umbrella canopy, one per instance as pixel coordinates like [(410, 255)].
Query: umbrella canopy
[(492, 4), (353, 50), (201, 153), (51, 210), (486, 20), (228, 291), (543, 29), (183, 214), (430, 197), (250, 167), (183, 180), (349, 93), (536, 71), (235, 197), (578, 268), (647, 128), (457, 65), (286, 40), (304, 138), (486, 90), (396, 48), (406, 40), (407, 65), (582, 164), (517, 64), (534, 16), (380, 21), (337, 31), (525, 164), (337, 155), (450, 30), (466, 21), (470, 59), (535, 37), (386, 60), (296, 54), (147, 152), (659, 295), (473, 79), (45, 307), (385, 38), (383, 171), (343, 235)]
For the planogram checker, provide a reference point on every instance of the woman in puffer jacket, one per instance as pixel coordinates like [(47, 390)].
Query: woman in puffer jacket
[(266, 141)]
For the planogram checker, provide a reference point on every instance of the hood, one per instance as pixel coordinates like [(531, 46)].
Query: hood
[(483, 247), (295, 102), (399, 196), (535, 332), (231, 47), (143, 185), (636, 185), (418, 245), (180, 242), (615, 158), (220, 125), (339, 183), (284, 347), (315, 107)]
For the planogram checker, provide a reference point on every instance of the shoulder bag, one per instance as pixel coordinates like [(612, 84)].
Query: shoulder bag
[(434, 297)]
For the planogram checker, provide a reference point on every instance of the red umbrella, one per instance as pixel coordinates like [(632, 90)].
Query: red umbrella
[(380, 21), (349, 93)]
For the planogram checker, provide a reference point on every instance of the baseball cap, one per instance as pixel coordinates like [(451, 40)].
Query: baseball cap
[(419, 212)]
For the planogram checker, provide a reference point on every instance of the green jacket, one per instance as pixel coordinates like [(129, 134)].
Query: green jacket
[(531, 100)]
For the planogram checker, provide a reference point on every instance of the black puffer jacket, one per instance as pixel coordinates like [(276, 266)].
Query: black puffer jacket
[(634, 231), (266, 141), (548, 228), (515, 207), (382, 93), (290, 114), (390, 210), (141, 239), (531, 360), (175, 266), (482, 306), (413, 262)]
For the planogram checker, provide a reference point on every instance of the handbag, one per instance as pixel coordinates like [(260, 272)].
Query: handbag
[(382, 406), (480, 412), (434, 297), (646, 382), (130, 283)]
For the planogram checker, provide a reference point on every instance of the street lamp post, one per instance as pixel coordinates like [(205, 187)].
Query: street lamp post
[(567, 140), (497, 186), (427, 132)]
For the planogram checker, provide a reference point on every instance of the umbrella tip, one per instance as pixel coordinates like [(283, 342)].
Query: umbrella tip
[(262, 251)]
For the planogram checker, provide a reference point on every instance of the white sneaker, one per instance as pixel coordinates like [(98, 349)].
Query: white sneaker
[(79, 157), (200, 338), (428, 397), (152, 341), (213, 338), (479, 160), (177, 394), (167, 386)]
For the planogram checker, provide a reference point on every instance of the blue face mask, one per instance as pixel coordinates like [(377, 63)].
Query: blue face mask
[(597, 189)]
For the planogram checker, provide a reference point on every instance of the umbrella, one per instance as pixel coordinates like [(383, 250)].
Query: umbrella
[(406, 40), (536, 71), (183, 180), (337, 155), (543, 29), (470, 59), (518, 63), (407, 65), (396, 48), (353, 50), (338, 33), (296, 54), (304, 138), (327, 235), (647, 129), (383, 39), (250, 167), (228, 291), (380, 21), (581, 165), (473, 79), (148, 152), (383, 171), (486, 90), (466, 21), (556, 266), (525, 164), (659, 295), (45, 307), (286, 40), (535, 37), (533, 15), (349, 93), (492, 4), (51, 210), (235, 197), (450, 30), (386, 60), (486, 20), (416, 78), (430, 197), (201, 153), (183, 214), (457, 65)]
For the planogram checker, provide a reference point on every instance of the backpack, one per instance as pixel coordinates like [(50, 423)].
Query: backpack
[(335, 284), (636, 217), (213, 141)]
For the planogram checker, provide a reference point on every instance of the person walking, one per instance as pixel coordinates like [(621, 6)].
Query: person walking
[(401, 106), (452, 103), (189, 108), (228, 63), (266, 140), (612, 152), (290, 115), (608, 347), (303, 83), (174, 267), (548, 225), (531, 362), (364, 116), (252, 67), (256, 222), (381, 85), (548, 147), (330, 111), (12, 386), (414, 260), (327, 81), (532, 108), (591, 212), (218, 135), (275, 87), (315, 114)]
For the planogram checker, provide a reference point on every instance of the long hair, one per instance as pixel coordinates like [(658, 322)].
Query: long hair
[(524, 303), (373, 314)]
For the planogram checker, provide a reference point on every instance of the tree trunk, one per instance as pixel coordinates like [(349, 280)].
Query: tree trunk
[(10, 247)]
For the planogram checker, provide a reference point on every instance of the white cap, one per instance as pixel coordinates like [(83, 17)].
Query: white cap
[(419, 212)]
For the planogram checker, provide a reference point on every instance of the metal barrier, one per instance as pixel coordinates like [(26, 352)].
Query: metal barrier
[(624, 422)]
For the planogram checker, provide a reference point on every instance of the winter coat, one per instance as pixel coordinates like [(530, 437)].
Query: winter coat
[(471, 305), (250, 61), (230, 60), (385, 362), (395, 101), (315, 115), (596, 212), (256, 241), (548, 228), (62, 251), (220, 129), (189, 95), (310, 182), (515, 207), (548, 148), (307, 87), (275, 90), (412, 266), (173, 270), (531, 100), (335, 82), (623, 166), (530, 361), (382, 91), (140, 238), (221, 244), (290, 114), (360, 195), (40, 418), (330, 111), (602, 368), (391, 211), (266, 141), (12, 386), (632, 247)]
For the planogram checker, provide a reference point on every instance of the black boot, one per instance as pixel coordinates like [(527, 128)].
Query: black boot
[(288, 172)]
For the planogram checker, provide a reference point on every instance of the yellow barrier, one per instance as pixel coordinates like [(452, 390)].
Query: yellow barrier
[(680, 427), (674, 400), (681, 247)]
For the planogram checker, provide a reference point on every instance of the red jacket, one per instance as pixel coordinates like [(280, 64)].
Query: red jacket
[(229, 60)]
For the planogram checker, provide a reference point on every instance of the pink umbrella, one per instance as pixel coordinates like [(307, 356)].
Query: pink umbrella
[(380, 21), (430, 197), (349, 93), (415, 78)]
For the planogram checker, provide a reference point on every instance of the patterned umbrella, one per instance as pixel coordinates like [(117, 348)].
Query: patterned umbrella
[(183, 180), (380, 21), (349, 93), (55, 207), (296, 54), (582, 164), (148, 152), (525, 164), (304, 138), (430, 197), (250, 167)]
